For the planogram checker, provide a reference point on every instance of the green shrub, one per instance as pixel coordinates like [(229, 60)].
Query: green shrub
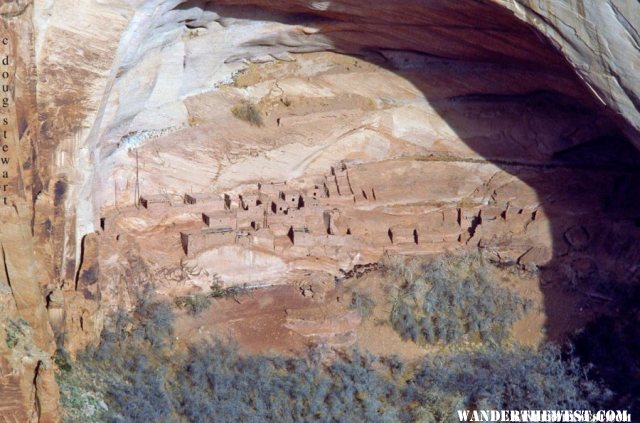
[(153, 321), (248, 112), (197, 303), (194, 304), (15, 331), (451, 300), (136, 374), (142, 378), (363, 303), (62, 360), (519, 378), (217, 291)]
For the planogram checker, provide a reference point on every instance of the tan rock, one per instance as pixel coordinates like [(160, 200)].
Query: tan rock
[(47, 394), (135, 109), (535, 257)]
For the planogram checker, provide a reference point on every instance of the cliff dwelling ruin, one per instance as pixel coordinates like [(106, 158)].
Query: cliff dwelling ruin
[(275, 156)]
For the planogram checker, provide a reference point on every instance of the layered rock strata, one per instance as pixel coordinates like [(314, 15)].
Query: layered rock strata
[(118, 100)]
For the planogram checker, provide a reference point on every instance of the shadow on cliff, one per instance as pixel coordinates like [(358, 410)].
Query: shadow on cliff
[(513, 99)]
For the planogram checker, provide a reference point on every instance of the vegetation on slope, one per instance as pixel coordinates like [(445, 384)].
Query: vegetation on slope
[(248, 112), (610, 344), (195, 304), (137, 374), (142, 379), (452, 299)]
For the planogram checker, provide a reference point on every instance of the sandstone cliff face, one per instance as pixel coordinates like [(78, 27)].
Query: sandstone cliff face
[(27, 367), (600, 40), (116, 87)]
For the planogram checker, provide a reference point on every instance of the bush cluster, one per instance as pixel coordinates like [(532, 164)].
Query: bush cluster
[(143, 378), (610, 344), (452, 299), (518, 378), (197, 303), (194, 304), (15, 331), (217, 291), (248, 112), (362, 303)]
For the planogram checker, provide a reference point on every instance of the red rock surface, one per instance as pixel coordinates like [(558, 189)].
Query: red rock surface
[(459, 125)]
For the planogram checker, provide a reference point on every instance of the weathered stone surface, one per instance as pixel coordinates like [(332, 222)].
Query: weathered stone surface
[(137, 98), (601, 41), (577, 237), (83, 321), (536, 256)]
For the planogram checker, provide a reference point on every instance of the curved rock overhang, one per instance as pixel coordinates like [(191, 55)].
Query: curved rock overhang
[(513, 91), (517, 81), (160, 62)]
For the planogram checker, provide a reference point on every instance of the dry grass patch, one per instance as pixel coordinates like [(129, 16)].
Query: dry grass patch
[(248, 112)]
